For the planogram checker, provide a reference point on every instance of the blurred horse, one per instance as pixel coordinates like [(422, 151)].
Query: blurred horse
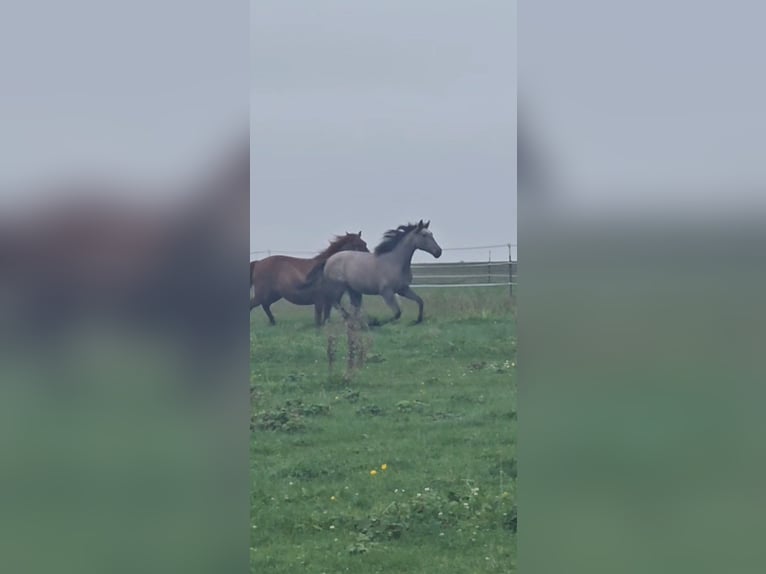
[(99, 255)]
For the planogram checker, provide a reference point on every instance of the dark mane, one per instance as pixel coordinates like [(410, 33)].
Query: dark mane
[(338, 243), (393, 237)]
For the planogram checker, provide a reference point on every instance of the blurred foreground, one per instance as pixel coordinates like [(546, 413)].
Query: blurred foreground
[(641, 322), (123, 345)]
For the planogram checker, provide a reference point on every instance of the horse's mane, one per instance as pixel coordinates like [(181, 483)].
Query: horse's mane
[(336, 244), (393, 237)]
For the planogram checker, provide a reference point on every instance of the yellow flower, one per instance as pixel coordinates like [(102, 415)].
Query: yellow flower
[(373, 472), (383, 466)]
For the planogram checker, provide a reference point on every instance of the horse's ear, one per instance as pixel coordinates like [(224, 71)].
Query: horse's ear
[(360, 234), (420, 224), (427, 224)]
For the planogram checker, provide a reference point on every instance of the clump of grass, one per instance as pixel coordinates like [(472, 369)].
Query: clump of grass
[(463, 508), (410, 406), (374, 358), (295, 377), (290, 417), (370, 410)]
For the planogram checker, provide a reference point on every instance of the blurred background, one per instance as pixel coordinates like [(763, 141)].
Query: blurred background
[(641, 131), (124, 186)]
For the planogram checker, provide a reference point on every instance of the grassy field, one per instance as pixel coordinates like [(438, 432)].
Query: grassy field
[(403, 462)]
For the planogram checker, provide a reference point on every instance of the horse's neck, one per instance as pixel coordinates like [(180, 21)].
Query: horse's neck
[(402, 254), (325, 255)]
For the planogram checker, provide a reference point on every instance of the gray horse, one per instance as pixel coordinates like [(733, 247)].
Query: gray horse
[(386, 272)]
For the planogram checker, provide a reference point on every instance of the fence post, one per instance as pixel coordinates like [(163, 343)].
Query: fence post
[(489, 267), (510, 269)]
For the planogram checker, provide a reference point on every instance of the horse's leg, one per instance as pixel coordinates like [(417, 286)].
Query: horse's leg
[(390, 298), (356, 301), (269, 314), (337, 304), (266, 305), (408, 293), (318, 310), (345, 314), (333, 296), (332, 299)]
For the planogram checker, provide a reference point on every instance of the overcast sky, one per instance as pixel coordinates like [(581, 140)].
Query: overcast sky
[(366, 115)]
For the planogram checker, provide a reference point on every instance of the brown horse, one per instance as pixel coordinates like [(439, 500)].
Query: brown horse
[(280, 276)]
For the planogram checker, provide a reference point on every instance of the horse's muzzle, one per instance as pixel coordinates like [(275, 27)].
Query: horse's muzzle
[(438, 253)]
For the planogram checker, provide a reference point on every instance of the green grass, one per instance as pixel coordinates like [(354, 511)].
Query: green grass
[(435, 402)]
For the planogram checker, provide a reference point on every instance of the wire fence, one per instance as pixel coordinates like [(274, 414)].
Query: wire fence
[(464, 274), (485, 266), (498, 246)]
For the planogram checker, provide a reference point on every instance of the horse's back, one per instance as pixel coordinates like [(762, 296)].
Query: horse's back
[(281, 276), (357, 270), (339, 264), (277, 264), (267, 273)]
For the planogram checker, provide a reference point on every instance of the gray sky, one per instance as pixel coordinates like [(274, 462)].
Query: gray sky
[(368, 115)]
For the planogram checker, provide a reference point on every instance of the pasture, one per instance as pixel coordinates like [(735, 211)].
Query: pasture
[(405, 462)]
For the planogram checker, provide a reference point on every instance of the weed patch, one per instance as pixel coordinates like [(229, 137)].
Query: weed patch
[(370, 410), (288, 418)]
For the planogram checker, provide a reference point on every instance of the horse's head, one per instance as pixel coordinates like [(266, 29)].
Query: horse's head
[(424, 239), (347, 242), (354, 242)]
